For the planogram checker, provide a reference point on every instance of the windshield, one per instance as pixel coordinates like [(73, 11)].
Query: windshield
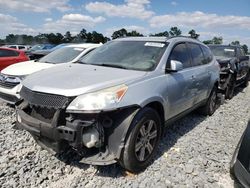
[(36, 47), (134, 55), (58, 47), (225, 51), (62, 55)]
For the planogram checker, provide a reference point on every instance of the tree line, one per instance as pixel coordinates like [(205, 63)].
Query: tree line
[(95, 37)]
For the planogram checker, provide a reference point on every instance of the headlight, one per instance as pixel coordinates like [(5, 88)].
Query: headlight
[(105, 99), (16, 79), (10, 78)]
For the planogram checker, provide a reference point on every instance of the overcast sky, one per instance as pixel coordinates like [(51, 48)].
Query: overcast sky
[(227, 18)]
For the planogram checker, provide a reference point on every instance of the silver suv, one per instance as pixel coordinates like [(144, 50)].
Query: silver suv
[(112, 106)]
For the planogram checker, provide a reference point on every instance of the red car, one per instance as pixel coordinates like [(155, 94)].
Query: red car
[(9, 56)]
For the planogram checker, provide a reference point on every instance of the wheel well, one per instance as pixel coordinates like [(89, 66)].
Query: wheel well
[(158, 107), (216, 84)]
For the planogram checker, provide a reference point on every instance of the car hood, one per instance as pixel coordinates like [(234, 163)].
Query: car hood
[(42, 52), (25, 68), (222, 59), (77, 79)]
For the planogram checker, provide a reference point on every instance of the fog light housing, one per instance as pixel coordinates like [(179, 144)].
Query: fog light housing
[(91, 138)]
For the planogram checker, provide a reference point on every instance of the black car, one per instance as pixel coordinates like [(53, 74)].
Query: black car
[(240, 164), (235, 69)]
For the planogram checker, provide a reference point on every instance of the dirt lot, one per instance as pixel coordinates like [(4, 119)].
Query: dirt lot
[(195, 152)]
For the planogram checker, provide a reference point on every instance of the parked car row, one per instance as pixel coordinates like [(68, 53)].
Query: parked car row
[(39, 50), (112, 105), (19, 47), (234, 65), (9, 56), (11, 76)]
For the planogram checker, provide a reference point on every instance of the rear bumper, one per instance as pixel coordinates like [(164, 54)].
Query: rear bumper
[(10, 95)]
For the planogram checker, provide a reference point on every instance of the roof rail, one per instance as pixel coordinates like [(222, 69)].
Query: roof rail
[(183, 37)]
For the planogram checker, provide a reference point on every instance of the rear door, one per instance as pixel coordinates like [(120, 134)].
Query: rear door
[(201, 71), (180, 85), (7, 57)]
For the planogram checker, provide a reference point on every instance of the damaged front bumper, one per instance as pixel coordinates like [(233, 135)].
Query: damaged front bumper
[(98, 138), (225, 76)]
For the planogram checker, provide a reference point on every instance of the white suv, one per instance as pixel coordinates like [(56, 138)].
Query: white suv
[(11, 77), (19, 47)]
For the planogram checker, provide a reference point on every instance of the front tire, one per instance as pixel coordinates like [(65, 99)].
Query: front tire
[(230, 88), (143, 140), (246, 81)]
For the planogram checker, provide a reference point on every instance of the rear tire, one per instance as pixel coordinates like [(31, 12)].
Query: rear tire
[(143, 140), (211, 104)]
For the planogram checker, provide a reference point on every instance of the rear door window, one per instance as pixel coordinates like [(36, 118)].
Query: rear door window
[(180, 53), (197, 55), (8, 53), (21, 47), (14, 47)]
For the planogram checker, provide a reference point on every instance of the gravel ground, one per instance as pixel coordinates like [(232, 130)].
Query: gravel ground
[(195, 152)]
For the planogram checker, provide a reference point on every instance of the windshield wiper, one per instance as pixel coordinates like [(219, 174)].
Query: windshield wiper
[(81, 62), (111, 65), (49, 62)]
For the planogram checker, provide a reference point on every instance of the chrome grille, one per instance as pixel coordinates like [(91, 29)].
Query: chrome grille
[(43, 99), (8, 85)]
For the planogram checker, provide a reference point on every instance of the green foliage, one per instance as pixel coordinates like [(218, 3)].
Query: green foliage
[(215, 40), (95, 37), (56, 38), (208, 42), (68, 37), (193, 34), (161, 34), (237, 43), (124, 33), (134, 34), (174, 31), (245, 48)]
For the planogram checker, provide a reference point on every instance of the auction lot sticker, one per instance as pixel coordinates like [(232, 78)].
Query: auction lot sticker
[(154, 44)]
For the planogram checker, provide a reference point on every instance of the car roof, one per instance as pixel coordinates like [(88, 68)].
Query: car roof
[(160, 39), (156, 39), (17, 45), (84, 45), (2, 48)]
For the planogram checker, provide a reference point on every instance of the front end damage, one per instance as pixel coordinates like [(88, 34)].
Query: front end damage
[(226, 73), (97, 137)]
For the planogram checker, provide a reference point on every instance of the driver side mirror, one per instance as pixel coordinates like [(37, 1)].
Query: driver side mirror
[(175, 66)]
